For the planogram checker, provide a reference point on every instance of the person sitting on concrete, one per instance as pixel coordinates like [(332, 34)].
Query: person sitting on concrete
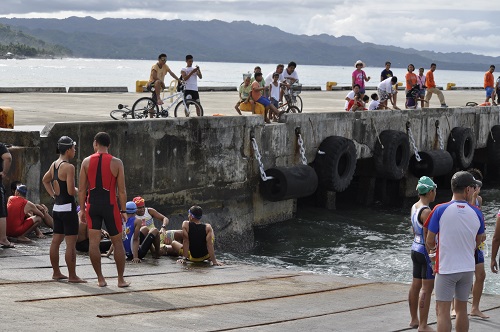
[(350, 96), (198, 238), (244, 94), (147, 215), (356, 104), (136, 240), (23, 216), (171, 243), (82, 239), (258, 98), (375, 104)]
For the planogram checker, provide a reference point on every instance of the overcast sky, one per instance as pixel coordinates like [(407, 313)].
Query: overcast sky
[(443, 26)]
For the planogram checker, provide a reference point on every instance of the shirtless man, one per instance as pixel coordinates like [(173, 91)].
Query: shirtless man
[(5, 162), (97, 192), (157, 77), (198, 239)]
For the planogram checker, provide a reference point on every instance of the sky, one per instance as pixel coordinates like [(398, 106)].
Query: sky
[(441, 26)]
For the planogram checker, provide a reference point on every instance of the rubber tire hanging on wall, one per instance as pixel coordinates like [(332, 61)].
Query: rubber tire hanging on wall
[(289, 182), (433, 163), (461, 145), (493, 146), (391, 162), (335, 168)]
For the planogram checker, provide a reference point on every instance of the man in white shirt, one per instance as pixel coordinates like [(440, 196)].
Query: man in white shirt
[(289, 74), (279, 70), (386, 92), (190, 75)]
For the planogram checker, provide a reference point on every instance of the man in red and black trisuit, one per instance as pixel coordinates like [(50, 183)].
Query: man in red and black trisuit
[(100, 175)]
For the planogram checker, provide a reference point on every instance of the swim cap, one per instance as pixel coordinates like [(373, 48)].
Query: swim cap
[(22, 189), (425, 184), (139, 201), (131, 207), (64, 143)]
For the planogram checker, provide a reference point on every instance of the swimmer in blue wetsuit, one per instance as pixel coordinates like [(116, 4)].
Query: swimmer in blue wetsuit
[(423, 278)]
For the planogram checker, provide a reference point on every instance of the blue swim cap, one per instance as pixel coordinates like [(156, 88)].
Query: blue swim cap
[(131, 207)]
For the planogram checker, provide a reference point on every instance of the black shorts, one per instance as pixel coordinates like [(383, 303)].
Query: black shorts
[(110, 214), (145, 245), (65, 222), (194, 95), (422, 268), (3, 202)]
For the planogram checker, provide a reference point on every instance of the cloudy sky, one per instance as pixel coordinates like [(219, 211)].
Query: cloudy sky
[(443, 26)]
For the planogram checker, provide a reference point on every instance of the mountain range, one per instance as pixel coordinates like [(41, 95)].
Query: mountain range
[(238, 41)]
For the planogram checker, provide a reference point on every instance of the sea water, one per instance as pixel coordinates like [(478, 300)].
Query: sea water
[(68, 72)]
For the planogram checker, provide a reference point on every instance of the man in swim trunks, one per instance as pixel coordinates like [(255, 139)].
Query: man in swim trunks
[(101, 175), (5, 162), (460, 227), (198, 238)]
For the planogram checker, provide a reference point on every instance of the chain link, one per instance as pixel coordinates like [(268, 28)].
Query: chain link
[(412, 141), (440, 138), (302, 150), (258, 157)]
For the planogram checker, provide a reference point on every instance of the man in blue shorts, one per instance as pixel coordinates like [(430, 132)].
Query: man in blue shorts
[(460, 227), (258, 98)]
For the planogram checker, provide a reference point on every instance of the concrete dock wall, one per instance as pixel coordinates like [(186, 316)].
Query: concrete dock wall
[(175, 163)]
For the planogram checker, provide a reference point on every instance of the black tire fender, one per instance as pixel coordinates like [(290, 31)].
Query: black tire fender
[(432, 163), (461, 146), (493, 145), (391, 160)]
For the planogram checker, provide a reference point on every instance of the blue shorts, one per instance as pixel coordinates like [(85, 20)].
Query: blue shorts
[(422, 92), (264, 101), (489, 91), (478, 256), (362, 91)]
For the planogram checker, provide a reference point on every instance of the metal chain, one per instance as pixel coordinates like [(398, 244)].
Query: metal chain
[(258, 157), (302, 150), (376, 132), (440, 138), (412, 141)]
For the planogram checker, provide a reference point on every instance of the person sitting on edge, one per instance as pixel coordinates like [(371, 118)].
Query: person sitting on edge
[(244, 94), (157, 78), (82, 239), (356, 104), (350, 95), (375, 104), (257, 97), (147, 215), (198, 238), (23, 216), (385, 91), (137, 241)]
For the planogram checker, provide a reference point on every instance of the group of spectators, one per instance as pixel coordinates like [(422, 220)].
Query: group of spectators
[(447, 252), (268, 91), (104, 224), (417, 88)]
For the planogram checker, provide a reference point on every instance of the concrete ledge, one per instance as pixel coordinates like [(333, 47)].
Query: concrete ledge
[(32, 89), (102, 89), (217, 88)]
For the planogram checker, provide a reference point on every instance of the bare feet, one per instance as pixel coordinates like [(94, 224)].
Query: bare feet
[(426, 328), (414, 324), (59, 276), (77, 280), (478, 313), (23, 239), (7, 245), (101, 283), (237, 110), (123, 284)]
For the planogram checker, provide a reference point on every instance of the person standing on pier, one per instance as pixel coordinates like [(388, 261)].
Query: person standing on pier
[(431, 87), (460, 227), (5, 162), (359, 77), (190, 75), (489, 85), (100, 176), (419, 296)]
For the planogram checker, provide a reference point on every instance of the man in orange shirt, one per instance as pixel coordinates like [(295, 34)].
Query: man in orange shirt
[(489, 85), (431, 87)]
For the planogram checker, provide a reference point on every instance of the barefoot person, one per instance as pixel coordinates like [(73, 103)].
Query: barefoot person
[(419, 296), (5, 162), (100, 176), (59, 182)]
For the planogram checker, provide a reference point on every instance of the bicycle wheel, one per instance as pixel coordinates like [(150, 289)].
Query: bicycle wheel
[(192, 108), (292, 109), (297, 101), (143, 106), (118, 114)]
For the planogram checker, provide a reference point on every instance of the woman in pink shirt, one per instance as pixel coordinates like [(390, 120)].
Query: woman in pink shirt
[(359, 77)]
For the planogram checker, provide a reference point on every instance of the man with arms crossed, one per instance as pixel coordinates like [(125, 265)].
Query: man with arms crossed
[(100, 175), (157, 77), (459, 227)]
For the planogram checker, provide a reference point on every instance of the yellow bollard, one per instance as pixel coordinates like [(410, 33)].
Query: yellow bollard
[(450, 85), (329, 85), (6, 117), (139, 86)]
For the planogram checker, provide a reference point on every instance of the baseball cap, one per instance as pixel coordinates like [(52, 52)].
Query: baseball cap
[(130, 207), (463, 179), (22, 189), (425, 184), (64, 143), (139, 201)]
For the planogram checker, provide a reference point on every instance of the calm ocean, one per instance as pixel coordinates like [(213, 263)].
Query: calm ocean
[(372, 243), (103, 72)]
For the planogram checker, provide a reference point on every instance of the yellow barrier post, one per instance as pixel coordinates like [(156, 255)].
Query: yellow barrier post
[(449, 86), (139, 86), (329, 85), (6, 117)]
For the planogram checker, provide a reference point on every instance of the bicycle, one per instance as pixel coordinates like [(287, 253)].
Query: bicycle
[(123, 112), (292, 96), (184, 107)]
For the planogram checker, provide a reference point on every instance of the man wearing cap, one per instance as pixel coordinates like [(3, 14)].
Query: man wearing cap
[(136, 242), (459, 227), (101, 176), (59, 182), (5, 162), (23, 216), (419, 296), (198, 238)]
